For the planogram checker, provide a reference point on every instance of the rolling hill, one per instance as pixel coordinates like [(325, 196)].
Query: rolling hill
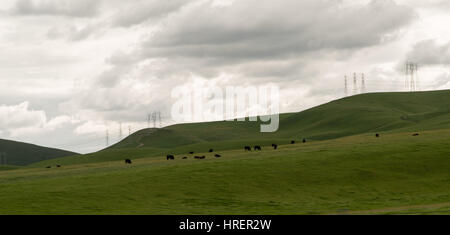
[(360, 114), (366, 113), (20, 154)]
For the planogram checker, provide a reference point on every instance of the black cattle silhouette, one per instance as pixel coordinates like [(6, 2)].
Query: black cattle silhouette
[(275, 146), (198, 157), (292, 142), (211, 150), (416, 134), (191, 152), (247, 148), (49, 167), (257, 147), (127, 161), (304, 140), (184, 157), (217, 155), (377, 135), (170, 157), (58, 165)]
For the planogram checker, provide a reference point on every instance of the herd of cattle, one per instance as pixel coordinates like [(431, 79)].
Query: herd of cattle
[(246, 148)]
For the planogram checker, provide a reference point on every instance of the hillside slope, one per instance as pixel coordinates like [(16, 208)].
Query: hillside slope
[(361, 114), (18, 153), (366, 113)]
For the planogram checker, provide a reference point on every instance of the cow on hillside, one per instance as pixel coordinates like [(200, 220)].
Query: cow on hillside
[(170, 157)]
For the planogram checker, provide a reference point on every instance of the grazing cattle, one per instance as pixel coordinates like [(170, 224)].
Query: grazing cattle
[(198, 157), (257, 147), (217, 155), (170, 157), (416, 134), (377, 135), (304, 140), (292, 142), (191, 152), (127, 161), (184, 157), (58, 165), (49, 167), (211, 150), (274, 146), (247, 148)]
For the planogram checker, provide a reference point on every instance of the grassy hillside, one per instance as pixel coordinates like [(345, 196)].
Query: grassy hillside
[(18, 153), (360, 174), (366, 113), (360, 114)]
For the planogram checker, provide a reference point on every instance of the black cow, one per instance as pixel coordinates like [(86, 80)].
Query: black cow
[(58, 165), (247, 148), (275, 146), (217, 155), (170, 157), (198, 157), (304, 140), (184, 157), (416, 134), (377, 135), (191, 152), (127, 161), (49, 167), (257, 147), (211, 150)]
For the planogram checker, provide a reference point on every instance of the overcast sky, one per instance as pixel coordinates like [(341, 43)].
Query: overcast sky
[(70, 69)]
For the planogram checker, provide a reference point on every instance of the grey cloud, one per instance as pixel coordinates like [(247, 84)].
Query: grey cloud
[(146, 10), (429, 52), (258, 29), (71, 8)]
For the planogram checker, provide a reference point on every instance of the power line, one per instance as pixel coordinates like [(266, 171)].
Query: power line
[(107, 138)]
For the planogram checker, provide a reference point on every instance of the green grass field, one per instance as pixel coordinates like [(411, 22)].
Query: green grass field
[(342, 169), (359, 174)]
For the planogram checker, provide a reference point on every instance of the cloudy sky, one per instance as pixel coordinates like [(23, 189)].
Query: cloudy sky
[(71, 69)]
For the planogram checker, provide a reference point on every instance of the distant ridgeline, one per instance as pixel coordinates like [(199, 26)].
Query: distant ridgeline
[(17, 153)]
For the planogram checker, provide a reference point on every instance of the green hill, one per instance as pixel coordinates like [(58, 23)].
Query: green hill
[(361, 114), (20, 154), (366, 113)]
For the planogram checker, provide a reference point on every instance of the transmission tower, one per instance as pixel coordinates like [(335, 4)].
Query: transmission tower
[(411, 76), (355, 87), (120, 131), (363, 84), (345, 85), (129, 130), (107, 138)]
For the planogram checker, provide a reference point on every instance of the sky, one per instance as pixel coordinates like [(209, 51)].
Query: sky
[(72, 69)]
